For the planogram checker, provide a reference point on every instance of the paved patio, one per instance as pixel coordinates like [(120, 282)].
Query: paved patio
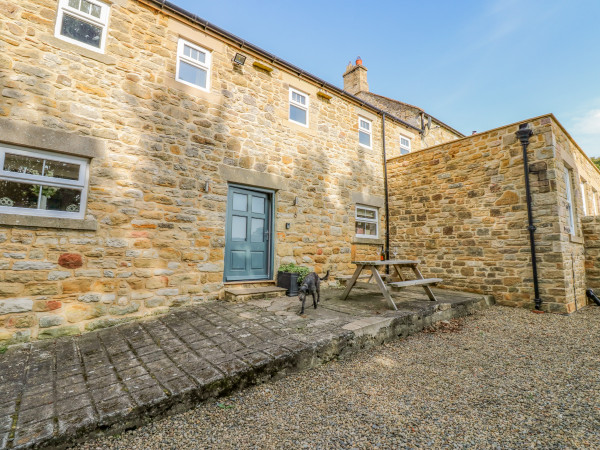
[(53, 393)]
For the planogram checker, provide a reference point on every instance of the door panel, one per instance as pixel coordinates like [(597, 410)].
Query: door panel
[(248, 240)]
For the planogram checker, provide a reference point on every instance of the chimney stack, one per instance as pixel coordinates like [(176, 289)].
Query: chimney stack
[(355, 78)]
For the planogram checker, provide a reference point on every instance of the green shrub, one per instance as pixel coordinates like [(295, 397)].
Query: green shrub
[(293, 268)]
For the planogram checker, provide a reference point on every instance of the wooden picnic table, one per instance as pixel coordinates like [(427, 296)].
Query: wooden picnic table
[(397, 264)]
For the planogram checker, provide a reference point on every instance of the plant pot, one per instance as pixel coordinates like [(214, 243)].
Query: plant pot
[(289, 281)]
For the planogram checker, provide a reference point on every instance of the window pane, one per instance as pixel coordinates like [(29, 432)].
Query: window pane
[(404, 142), (19, 195), (240, 202), (74, 4), (299, 98), (60, 199), (257, 230), (365, 213), (360, 227), (238, 228), (192, 74), (297, 114), (81, 31), (23, 164), (364, 138), (194, 54), (96, 10), (404, 151), (364, 124), (370, 229), (64, 170), (258, 205), (85, 6)]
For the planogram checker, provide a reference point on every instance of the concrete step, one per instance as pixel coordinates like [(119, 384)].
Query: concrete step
[(242, 294)]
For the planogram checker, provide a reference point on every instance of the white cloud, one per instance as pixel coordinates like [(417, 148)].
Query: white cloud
[(585, 128)]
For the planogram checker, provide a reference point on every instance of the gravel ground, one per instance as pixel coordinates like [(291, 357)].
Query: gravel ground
[(504, 378)]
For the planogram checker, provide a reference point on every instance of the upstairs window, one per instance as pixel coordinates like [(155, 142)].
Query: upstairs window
[(569, 195), (37, 183), (193, 65), (404, 145), (583, 200), (367, 222), (364, 132), (298, 107), (83, 22)]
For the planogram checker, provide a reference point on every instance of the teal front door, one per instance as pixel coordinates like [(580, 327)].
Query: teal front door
[(248, 238)]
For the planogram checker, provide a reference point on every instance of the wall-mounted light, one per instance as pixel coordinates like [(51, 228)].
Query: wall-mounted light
[(239, 59), (206, 186)]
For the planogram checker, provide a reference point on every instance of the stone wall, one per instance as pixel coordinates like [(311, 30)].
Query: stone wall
[(460, 207), (153, 237), (591, 233)]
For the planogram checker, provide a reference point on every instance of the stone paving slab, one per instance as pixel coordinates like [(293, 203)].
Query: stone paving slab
[(54, 393)]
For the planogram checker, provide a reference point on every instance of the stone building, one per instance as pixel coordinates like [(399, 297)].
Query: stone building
[(461, 208), (149, 159), (145, 164)]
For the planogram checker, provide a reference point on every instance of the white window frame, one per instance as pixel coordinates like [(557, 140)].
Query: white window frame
[(571, 216), (363, 219), (80, 183), (102, 21), (298, 105), (193, 62), (583, 199), (369, 131), (405, 147)]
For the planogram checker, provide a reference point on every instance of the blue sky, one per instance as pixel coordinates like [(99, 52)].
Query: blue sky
[(475, 65)]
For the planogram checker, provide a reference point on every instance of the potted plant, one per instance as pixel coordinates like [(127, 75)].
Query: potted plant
[(290, 276)]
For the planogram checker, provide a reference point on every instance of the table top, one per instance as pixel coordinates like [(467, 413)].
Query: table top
[(387, 262)]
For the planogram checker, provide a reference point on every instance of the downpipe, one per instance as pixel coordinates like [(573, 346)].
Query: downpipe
[(386, 190), (523, 134), (593, 297)]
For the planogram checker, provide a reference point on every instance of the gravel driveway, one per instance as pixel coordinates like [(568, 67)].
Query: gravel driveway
[(504, 378)]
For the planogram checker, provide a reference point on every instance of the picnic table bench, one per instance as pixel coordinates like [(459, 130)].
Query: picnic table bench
[(397, 264)]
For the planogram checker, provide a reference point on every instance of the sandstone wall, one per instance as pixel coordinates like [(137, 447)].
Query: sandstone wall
[(159, 240), (461, 208), (591, 234)]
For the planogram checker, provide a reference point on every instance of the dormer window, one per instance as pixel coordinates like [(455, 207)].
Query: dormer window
[(83, 22)]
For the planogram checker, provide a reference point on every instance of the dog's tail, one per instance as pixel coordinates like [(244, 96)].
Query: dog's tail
[(326, 276)]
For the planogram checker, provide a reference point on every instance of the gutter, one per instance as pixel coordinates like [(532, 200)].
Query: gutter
[(207, 26), (523, 134)]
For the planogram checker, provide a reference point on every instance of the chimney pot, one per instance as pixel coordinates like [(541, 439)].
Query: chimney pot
[(358, 61)]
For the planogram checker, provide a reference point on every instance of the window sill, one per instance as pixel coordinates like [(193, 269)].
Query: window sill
[(48, 222), (367, 241), (575, 239), (92, 54)]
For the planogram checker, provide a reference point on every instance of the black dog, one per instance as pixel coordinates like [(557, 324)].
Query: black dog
[(311, 285)]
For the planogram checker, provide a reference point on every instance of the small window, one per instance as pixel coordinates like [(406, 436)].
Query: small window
[(83, 22), (193, 65), (366, 222), (583, 200), (570, 215), (404, 145), (37, 183), (364, 132), (298, 107)]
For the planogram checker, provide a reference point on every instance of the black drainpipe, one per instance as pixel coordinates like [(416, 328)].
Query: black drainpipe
[(523, 134), (385, 187)]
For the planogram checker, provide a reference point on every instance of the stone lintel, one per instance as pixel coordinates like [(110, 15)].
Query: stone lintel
[(252, 178), (368, 199), (48, 222), (32, 136), (367, 241)]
